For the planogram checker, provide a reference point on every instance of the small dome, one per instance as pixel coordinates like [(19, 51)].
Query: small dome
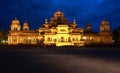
[(25, 24), (105, 22), (58, 12), (15, 21), (88, 24)]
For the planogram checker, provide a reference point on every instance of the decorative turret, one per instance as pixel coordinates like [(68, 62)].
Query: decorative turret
[(46, 24), (88, 30), (74, 25), (26, 26), (88, 26), (15, 25)]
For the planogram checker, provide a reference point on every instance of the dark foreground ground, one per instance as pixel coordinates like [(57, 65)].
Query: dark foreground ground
[(33, 59)]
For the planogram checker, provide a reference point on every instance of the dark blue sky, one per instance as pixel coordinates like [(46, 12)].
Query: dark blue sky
[(84, 11)]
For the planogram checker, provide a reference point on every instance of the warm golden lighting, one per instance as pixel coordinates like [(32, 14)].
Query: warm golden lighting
[(84, 38), (59, 32)]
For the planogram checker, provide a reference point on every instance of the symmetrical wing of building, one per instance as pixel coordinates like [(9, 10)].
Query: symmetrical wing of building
[(58, 31)]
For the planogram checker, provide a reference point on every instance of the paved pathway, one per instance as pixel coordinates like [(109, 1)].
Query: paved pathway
[(33, 61)]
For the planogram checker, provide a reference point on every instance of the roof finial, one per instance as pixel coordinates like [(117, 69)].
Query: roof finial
[(74, 21), (15, 18), (46, 21), (58, 9)]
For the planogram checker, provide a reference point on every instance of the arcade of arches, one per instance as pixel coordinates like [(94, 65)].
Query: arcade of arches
[(58, 31)]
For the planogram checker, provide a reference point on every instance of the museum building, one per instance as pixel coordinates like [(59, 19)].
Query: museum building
[(58, 31)]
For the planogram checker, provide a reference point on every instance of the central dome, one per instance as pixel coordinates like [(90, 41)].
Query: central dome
[(58, 14)]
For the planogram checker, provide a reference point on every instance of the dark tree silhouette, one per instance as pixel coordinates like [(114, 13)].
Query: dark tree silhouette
[(3, 35), (116, 35)]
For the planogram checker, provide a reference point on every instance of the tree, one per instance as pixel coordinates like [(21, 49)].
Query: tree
[(3, 35), (116, 35)]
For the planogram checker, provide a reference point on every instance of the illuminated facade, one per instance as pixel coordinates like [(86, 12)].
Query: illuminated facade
[(59, 32)]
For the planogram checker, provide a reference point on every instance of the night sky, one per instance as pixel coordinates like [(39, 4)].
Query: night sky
[(36, 11)]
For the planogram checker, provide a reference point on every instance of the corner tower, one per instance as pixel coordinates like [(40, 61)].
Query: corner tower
[(14, 33), (105, 33), (15, 25), (105, 28)]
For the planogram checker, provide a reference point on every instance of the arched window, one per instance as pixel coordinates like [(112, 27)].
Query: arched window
[(14, 39), (48, 39), (76, 39), (26, 28), (73, 39), (69, 40), (62, 39), (15, 28)]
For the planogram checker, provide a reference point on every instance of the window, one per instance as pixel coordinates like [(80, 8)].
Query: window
[(73, 39), (69, 40), (62, 39), (15, 28), (48, 39), (26, 29), (62, 29), (24, 40), (76, 39), (15, 39)]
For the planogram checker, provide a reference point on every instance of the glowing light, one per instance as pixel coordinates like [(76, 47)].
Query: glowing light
[(113, 41), (98, 40), (29, 38), (84, 37), (3, 41), (91, 38)]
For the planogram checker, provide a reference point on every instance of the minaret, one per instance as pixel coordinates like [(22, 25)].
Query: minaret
[(26, 26), (15, 25)]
